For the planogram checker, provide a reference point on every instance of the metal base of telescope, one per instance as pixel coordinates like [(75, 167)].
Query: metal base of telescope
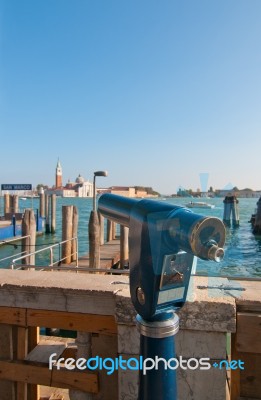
[(157, 344)]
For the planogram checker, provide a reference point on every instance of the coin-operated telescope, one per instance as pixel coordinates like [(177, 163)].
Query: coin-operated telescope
[(163, 240)]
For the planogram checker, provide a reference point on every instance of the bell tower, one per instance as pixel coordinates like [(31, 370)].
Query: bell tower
[(58, 175)]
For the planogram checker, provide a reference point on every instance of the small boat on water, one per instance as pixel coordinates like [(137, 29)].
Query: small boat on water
[(199, 204), (23, 198)]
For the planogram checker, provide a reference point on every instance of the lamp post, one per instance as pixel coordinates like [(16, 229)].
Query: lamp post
[(94, 227), (97, 173)]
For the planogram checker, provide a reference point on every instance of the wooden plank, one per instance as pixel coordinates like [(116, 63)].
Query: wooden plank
[(109, 255), (7, 388), (227, 391), (250, 385), (33, 337), (38, 373), (248, 332), (73, 321), (21, 391), (33, 392), (234, 374), (22, 342), (83, 381), (13, 316), (20, 371), (22, 346)]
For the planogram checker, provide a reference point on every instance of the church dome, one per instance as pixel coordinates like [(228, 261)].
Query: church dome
[(80, 179)]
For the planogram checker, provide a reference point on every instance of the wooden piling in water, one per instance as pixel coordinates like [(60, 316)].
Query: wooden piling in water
[(42, 205), (94, 240), (231, 211), (75, 219), (113, 226), (67, 230), (101, 219), (53, 213), (6, 203), (29, 229), (257, 223), (109, 230), (15, 203), (124, 246), (47, 214)]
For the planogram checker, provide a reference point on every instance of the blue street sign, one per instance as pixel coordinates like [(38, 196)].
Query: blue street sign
[(16, 186)]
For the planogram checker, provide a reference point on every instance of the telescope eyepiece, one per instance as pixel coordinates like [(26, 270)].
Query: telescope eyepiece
[(215, 253)]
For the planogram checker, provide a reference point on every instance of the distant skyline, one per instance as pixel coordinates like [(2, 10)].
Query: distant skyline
[(156, 93)]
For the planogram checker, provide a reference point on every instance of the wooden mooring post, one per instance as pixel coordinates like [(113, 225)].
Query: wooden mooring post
[(50, 213), (11, 203), (94, 240), (231, 211), (6, 203), (15, 203), (109, 230), (113, 230), (124, 246), (42, 205), (47, 214), (257, 221), (101, 220), (53, 213), (29, 230), (67, 231), (75, 219)]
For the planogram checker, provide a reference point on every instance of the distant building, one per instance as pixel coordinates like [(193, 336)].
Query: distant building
[(126, 191), (122, 191), (82, 187), (244, 193), (62, 192), (79, 188), (58, 175)]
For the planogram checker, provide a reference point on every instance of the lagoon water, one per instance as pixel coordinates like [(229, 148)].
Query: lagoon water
[(242, 248)]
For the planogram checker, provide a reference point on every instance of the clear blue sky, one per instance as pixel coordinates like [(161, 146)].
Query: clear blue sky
[(155, 92)]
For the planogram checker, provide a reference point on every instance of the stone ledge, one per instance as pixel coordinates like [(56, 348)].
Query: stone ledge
[(59, 291), (207, 309)]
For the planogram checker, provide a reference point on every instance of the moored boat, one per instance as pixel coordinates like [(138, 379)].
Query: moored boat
[(199, 204)]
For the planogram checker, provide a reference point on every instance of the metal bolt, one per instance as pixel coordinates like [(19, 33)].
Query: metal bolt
[(140, 296)]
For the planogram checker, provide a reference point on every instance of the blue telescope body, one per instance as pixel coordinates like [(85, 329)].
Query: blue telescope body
[(163, 240)]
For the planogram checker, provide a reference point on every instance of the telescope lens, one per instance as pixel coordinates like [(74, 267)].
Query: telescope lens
[(215, 253), (208, 238)]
